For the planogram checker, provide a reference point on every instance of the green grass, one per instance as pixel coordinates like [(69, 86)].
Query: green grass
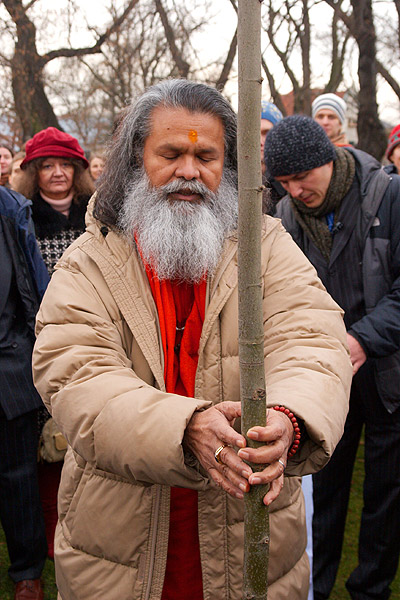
[(348, 562), (7, 586)]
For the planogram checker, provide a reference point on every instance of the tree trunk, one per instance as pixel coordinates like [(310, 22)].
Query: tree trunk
[(251, 333), (371, 135), (305, 41), (31, 103)]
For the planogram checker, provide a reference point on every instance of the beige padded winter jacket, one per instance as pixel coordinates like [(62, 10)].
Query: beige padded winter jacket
[(98, 366)]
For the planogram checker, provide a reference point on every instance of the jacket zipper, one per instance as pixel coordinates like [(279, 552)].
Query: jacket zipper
[(153, 537)]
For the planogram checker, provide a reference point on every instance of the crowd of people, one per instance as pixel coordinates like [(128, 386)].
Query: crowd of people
[(131, 416)]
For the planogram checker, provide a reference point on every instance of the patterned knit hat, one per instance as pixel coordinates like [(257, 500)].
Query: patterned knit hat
[(394, 140), (270, 112), (297, 144), (331, 102), (53, 142)]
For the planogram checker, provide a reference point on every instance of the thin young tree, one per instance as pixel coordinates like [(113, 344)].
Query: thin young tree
[(251, 334)]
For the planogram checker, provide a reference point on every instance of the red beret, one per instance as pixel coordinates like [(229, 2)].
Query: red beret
[(53, 142)]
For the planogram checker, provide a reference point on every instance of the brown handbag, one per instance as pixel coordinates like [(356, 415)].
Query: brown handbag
[(52, 443)]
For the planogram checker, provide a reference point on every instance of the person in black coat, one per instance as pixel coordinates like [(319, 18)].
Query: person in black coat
[(55, 177), (343, 210), (23, 280)]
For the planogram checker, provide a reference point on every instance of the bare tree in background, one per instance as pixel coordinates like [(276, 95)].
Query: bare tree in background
[(290, 21), (289, 30), (183, 66), (88, 87), (136, 56), (95, 89), (388, 36), (27, 66), (360, 22)]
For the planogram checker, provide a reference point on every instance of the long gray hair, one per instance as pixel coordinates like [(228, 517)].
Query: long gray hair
[(126, 153)]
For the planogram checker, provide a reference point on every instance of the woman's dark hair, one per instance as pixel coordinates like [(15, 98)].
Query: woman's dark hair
[(125, 157), (7, 148), (29, 185)]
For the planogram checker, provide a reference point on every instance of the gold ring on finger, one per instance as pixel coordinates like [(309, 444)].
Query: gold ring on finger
[(218, 452)]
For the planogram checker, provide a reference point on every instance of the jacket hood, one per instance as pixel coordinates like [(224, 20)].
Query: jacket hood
[(366, 168)]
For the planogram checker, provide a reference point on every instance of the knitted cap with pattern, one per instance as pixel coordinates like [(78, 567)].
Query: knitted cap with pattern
[(331, 102), (394, 140), (297, 144), (270, 112)]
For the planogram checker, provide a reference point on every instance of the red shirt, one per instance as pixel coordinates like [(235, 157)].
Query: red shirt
[(181, 309)]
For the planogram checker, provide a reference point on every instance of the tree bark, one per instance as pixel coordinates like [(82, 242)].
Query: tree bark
[(371, 135), (251, 333), (305, 41), (276, 97), (32, 105)]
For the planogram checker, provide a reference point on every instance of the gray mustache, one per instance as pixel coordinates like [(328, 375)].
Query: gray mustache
[(179, 185)]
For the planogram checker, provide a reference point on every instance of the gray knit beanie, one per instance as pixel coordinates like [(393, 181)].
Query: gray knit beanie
[(297, 144), (332, 102)]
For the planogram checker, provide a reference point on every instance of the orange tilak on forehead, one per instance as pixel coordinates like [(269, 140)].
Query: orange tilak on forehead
[(192, 135)]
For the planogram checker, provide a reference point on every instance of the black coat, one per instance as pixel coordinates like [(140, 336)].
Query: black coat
[(54, 231), (375, 231), (24, 279), (49, 221)]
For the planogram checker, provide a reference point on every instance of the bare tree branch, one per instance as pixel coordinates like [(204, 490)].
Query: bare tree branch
[(397, 5), (227, 67), (182, 65), (68, 52), (388, 78), (272, 87), (29, 5), (347, 19), (283, 54), (338, 55)]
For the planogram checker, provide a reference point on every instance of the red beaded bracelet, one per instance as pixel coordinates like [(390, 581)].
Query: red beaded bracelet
[(297, 433)]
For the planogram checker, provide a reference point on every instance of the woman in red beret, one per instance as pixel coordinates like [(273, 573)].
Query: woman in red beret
[(55, 177)]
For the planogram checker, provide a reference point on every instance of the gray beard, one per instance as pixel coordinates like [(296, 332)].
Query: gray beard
[(180, 240)]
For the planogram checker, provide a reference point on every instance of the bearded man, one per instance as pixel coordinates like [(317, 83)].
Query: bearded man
[(137, 358)]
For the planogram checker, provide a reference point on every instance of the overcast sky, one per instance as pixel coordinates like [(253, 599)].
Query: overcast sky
[(214, 42)]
